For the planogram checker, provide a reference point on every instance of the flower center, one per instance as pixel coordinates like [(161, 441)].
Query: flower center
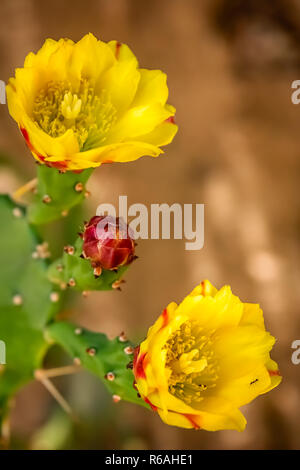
[(59, 107), (191, 362)]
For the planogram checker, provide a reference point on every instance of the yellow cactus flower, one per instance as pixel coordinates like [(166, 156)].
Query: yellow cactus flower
[(205, 358), (79, 105)]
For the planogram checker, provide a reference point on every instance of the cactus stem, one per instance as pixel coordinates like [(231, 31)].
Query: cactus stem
[(116, 398), (78, 331), (17, 299), (91, 351), (122, 337), (17, 195), (128, 350), (46, 199), (79, 187), (59, 268), (54, 296), (63, 285), (64, 213), (97, 271), (72, 282), (80, 234), (17, 212), (110, 376), (56, 372), (69, 249), (41, 377)]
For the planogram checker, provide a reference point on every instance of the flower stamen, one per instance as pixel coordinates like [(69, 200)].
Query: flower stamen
[(191, 362), (71, 106), (59, 107)]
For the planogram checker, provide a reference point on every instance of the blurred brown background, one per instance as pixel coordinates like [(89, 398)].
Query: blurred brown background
[(230, 66)]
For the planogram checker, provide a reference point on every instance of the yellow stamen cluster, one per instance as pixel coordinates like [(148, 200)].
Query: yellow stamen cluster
[(191, 362), (59, 107)]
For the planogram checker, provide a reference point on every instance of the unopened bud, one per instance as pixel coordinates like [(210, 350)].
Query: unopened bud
[(107, 242)]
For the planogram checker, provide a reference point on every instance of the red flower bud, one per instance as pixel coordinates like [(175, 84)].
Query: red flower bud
[(108, 243)]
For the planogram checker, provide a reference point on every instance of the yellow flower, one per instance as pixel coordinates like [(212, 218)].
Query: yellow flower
[(79, 105), (205, 358)]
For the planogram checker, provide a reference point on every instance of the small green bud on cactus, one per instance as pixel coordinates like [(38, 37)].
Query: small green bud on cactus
[(108, 243)]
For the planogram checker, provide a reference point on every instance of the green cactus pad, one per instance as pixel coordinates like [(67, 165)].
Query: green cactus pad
[(25, 300), (100, 356), (60, 188), (72, 266)]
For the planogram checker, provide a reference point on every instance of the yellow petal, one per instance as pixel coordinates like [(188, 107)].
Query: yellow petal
[(207, 421), (120, 152), (90, 58), (240, 349), (163, 134), (42, 56), (121, 82), (244, 389), (222, 310), (54, 149), (163, 320), (176, 419), (205, 288), (152, 88), (233, 420), (253, 315), (122, 52), (138, 121), (274, 374)]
